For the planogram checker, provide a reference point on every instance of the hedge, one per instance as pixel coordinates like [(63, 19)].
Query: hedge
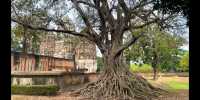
[(35, 89)]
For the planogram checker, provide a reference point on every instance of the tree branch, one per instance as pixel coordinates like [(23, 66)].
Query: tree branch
[(83, 15), (86, 3), (156, 20), (125, 8), (142, 4), (102, 19), (50, 30), (127, 44), (108, 16), (91, 32), (145, 24)]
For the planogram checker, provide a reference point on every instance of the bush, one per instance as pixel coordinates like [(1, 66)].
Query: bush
[(145, 68), (34, 89), (184, 63)]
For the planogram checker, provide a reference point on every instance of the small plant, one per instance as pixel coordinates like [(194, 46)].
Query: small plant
[(35, 89)]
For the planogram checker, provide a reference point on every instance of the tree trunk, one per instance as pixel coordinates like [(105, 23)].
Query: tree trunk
[(155, 65), (154, 73), (118, 83), (24, 41)]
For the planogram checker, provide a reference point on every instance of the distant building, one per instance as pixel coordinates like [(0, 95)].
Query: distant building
[(33, 62), (86, 56), (83, 52), (69, 53)]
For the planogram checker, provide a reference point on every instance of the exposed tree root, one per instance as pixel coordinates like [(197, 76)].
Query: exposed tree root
[(120, 86)]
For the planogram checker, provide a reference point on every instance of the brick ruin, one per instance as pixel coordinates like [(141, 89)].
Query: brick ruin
[(82, 51), (55, 55)]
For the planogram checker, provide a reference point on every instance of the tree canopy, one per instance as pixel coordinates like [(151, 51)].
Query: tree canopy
[(23, 39), (157, 48), (174, 6)]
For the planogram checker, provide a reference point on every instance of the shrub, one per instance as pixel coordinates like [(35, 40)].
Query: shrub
[(34, 89), (184, 63), (145, 68)]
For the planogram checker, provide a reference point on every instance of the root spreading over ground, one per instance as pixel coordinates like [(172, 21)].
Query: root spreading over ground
[(119, 85)]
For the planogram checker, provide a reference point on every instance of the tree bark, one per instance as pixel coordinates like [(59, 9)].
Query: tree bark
[(154, 63)]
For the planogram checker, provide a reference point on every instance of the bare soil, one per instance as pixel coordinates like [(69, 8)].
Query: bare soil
[(180, 95)]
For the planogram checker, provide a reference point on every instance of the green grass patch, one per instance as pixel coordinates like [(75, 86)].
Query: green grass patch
[(170, 84), (174, 85), (144, 68), (35, 89)]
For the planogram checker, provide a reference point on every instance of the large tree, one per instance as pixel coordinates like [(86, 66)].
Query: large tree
[(103, 22)]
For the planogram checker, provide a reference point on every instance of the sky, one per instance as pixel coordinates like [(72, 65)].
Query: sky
[(186, 36)]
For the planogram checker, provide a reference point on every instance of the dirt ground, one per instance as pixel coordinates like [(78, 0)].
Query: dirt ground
[(178, 95)]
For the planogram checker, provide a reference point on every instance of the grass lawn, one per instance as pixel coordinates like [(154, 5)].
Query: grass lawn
[(171, 83), (175, 85)]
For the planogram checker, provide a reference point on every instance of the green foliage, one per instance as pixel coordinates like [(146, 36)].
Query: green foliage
[(184, 62), (99, 63), (174, 85), (157, 48), (35, 89), (15, 42), (21, 36), (144, 68), (171, 84)]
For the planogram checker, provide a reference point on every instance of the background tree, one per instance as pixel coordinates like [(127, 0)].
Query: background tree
[(29, 39), (19, 33), (157, 48), (15, 42), (25, 40), (184, 62), (103, 23)]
